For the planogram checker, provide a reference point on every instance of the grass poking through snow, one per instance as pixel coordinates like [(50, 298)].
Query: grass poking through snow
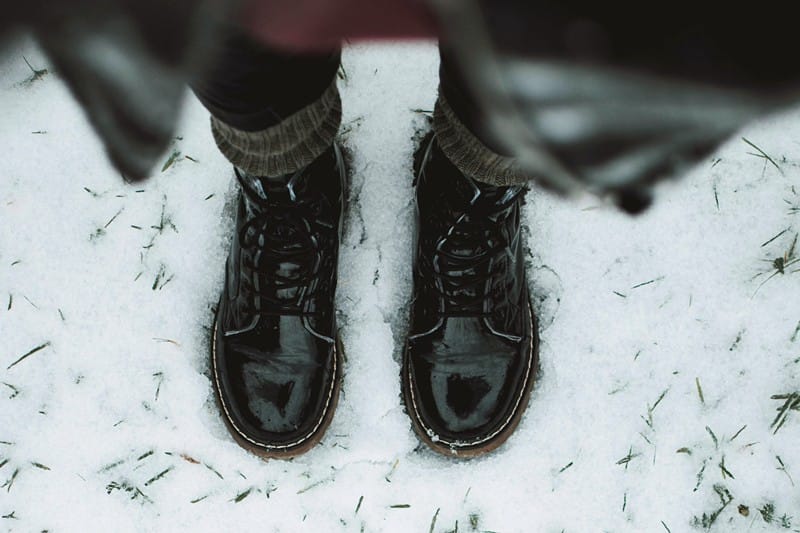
[(28, 354), (791, 402)]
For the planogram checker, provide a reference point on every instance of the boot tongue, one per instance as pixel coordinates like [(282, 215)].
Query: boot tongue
[(262, 187), (266, 187), (494, 198), (467, 193), (260, 191)]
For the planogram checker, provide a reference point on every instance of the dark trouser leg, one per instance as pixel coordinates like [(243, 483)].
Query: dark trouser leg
[(460, 131), (272, 112)]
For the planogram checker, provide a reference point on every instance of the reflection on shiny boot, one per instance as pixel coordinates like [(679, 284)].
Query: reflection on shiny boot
[(276, 357), (471, 354)]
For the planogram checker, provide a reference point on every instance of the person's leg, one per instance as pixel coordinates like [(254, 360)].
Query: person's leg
[(272, 112), (276, 359), (471, 354), (460, 127)]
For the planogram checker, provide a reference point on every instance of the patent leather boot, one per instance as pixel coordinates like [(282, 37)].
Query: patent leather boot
[(472, 350), (276, 356)]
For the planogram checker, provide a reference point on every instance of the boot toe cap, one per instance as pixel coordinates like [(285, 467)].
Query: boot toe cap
[(274, 401), (465, 399)]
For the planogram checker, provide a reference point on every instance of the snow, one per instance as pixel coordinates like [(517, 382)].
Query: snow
[(632, 310)]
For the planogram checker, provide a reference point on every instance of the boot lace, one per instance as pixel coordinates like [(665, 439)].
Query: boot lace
[(466, 260), (282, 253)]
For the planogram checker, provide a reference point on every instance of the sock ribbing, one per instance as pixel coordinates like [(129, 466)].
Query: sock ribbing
[(472, 157), (287, 146)]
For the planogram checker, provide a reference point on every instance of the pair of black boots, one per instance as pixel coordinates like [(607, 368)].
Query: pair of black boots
[(471, 352)]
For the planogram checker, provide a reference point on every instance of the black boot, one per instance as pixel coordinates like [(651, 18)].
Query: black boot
[(276, 356), (471, 354)]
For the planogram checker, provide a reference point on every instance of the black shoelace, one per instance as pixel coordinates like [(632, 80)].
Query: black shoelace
[(283, 253), (464, 263)]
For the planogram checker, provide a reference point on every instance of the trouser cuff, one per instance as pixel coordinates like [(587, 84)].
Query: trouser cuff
[(288, 146), (471, 156)]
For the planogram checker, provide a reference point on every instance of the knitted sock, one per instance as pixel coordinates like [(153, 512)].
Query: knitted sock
[(287, 146), (472, 157)]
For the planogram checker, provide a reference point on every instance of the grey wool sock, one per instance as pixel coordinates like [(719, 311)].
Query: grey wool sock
[(287, 146), (472, 157)]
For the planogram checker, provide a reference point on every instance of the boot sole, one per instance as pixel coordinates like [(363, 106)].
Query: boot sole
[(470, 451), (264, 450)]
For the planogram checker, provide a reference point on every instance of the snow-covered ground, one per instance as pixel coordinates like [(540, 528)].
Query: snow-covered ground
[(661, 348)]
